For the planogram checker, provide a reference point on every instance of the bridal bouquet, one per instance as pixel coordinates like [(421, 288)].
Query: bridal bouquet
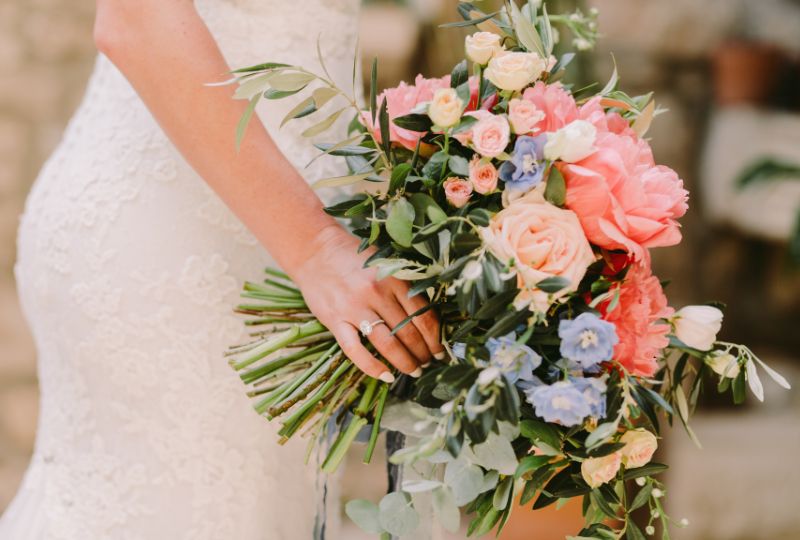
[(524, 210)]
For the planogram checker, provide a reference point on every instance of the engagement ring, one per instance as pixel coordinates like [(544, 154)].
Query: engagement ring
[(366, 327)]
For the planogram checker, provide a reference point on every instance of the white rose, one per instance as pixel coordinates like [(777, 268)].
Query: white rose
[(445, 108), (571, 143), (514, 70), (482, 46), (640, 445), (598, 471), (697, 326), (724, 364)]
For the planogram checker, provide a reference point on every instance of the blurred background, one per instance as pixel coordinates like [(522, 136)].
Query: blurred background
[(729, 73)]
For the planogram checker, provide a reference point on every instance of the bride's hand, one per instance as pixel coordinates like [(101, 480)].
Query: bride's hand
[(342, 293)]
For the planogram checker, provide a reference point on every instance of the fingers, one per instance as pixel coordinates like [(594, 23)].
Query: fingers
[(427, 324), (393, 313), (393, 350), (350, 342)]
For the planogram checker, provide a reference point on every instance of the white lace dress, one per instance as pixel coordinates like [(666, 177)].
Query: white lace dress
[(128, 268)]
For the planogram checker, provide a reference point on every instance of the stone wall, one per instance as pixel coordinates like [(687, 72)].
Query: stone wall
[(46, 54)]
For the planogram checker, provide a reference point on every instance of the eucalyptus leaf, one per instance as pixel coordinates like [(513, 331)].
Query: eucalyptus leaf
[(447, 512), (465, 479), (397, 515), (496, 453), (364, 513)]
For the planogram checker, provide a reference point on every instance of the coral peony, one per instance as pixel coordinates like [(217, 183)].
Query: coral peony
[(641, 305), (557, 104), (400, 101), (624, 200)]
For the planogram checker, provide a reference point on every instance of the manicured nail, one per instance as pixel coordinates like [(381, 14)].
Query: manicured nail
[(416, 373), (439, 355), (426, 365), (386, 377)]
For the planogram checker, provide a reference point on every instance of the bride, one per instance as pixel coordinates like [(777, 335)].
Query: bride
[(132, 247)]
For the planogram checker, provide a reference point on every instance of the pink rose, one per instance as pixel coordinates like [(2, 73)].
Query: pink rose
[(640, 445), (557, 104), (483, 175), (400, 101), (625, 201), (642, 304), (542, 241), (524, 116), (458, 191), (490, 135), (598, 471)]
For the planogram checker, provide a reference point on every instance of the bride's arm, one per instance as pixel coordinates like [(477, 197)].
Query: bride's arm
[(167, 53)]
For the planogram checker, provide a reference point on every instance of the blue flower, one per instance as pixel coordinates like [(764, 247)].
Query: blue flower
[(587, 339), (516, 360), (525, 169), (562, 402), (594, 391), (459, 350)]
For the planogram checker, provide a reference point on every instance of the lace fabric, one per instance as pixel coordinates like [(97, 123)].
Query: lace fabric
[(128, 268)]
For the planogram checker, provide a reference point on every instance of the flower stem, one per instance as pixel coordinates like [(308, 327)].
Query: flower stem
[(383, 393)]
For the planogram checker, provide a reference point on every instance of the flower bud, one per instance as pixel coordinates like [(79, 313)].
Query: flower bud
[(697, 326), (482, 46), (724, 364)]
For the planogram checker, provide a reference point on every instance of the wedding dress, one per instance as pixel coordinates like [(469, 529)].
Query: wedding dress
[(128, 270)]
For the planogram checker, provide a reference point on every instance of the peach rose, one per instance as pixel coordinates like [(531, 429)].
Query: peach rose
[(524, 116), (400, 101), (490, 135), (623, 199), (481, 46), (598, 471), (640, 445), (557, 104), (458, 191), (541, 241), (514, 70), (483, 175)]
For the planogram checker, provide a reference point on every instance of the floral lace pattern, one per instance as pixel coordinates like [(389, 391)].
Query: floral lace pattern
[(128, 267)]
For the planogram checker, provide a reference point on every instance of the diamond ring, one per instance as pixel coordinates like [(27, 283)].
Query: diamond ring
[(366, 327)]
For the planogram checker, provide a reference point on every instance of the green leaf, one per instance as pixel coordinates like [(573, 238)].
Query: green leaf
[(633, 532), (480, 217), (641, 498), (536, 431), (373, 90), (290, 81), (414, 122), (646, 470), (323, 95), (602, 433), (446, 510), (400, 222), (399, 175), (471, 22), (261, 67), (526, 32), (271, 93), (364, 513), (459, 75), (502, 494), (252, 87), (344, 150), (530, 463), (556, 189), (465, 124), (383, 119), (244, 121), (424, 205), (338, 181), (459, 165), (553, 284), (323, 126), (465, 479), (304, 108), (600, 502), (397, 515)]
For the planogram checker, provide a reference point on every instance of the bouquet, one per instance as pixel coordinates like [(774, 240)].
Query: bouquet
[(525, 211)]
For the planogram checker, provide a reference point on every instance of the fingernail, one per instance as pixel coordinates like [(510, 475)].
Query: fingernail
[(386, 377), (439, 355), (416, 373), (426, 365)]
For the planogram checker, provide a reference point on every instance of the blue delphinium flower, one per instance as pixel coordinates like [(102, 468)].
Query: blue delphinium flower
[(525, 169), (459, 350), (587, 339), (516, 360), (562, 402), (594, 391)]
